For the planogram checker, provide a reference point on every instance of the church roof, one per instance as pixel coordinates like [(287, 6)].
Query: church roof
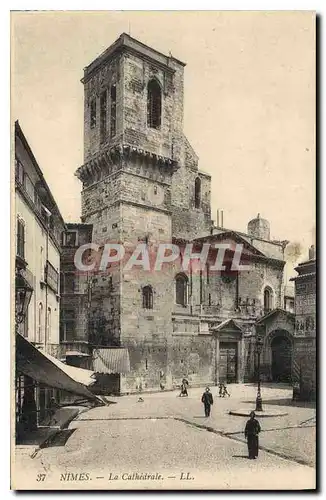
[(238, 238), (234, 236), (272, 313)]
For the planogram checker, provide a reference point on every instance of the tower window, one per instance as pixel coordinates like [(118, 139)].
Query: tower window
[(67, 325), (181, 289), (93, 113), (113, 97), (103, 114), (268, 300), (197, 192), (154, 104), (147, 297)]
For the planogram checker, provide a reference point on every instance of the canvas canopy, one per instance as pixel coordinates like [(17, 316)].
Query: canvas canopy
[(111, 360), (49, 371)]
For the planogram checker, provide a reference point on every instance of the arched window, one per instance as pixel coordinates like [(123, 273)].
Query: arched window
[(268, 300), (147, 297), (48, 333), (197, 192), (40, 322), (154, 104), (181, 290)]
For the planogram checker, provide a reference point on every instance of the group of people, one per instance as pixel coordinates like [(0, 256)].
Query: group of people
[(252, 428), (222, 392)]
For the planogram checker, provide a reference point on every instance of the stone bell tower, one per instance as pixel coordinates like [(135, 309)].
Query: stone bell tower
[(133, 144)]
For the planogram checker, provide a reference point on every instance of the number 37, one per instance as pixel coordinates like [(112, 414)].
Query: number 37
[(40, 477)]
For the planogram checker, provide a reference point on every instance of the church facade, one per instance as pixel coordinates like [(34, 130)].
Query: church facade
[(141, 184)]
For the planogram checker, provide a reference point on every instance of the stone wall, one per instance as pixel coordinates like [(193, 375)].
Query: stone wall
[(305, 360), (187, 221), (305, 329), (101, 81), (143, 199), (159, 364), (193, 357), (137, 74), (253, 282)]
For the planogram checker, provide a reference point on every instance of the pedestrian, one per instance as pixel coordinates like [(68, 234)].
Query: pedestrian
[(207, 399), (225, 391), (220, 389), (184, 387), (252, 430)]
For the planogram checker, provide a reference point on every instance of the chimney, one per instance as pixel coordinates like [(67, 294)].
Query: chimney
[(312, 252), (219, 217)]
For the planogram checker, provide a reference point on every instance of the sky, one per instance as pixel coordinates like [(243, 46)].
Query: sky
[(249, 103)]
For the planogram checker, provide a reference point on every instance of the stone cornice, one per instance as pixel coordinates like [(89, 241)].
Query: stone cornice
[(126, 44), (114, 155), (123, 201)]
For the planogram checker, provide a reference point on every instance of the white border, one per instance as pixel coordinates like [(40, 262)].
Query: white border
[(318, 6)]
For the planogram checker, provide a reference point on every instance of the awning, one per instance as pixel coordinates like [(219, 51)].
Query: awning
[(85, 377), (41, 368), (111, 360)]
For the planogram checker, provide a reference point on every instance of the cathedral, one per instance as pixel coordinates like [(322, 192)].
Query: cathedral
[(141, 183)]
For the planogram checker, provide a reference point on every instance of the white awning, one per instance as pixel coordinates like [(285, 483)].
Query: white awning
[(111, 360), (85, 377), (49, 371)]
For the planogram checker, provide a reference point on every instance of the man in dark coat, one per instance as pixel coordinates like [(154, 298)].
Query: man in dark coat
[(251, 433), (207, 399)]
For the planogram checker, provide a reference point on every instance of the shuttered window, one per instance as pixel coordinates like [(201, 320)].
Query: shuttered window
[(20, 250)]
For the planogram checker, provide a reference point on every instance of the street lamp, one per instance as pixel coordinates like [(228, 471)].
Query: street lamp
[(23, 292), (259, 347)]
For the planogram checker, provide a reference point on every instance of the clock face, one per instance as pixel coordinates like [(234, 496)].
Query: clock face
[(155, 194)]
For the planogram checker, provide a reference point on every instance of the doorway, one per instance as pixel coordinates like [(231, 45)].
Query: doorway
[(281, 359), (228, 369)]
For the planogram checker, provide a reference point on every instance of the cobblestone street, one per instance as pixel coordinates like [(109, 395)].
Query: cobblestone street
[(168, 435)]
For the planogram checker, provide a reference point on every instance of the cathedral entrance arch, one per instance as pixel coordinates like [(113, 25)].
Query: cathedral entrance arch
[(282, 352)]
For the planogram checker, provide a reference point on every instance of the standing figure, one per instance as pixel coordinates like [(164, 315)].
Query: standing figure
[(184, 387), (251, 433), (207, 399), (220, 389), (225, 391)]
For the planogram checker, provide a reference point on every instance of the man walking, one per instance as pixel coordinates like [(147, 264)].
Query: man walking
[(251, 433), (207, 399)]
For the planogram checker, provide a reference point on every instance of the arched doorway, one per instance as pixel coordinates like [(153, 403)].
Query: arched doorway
[(281, 347)]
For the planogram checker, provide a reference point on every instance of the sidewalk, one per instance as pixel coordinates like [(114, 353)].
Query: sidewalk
[(32, 441)]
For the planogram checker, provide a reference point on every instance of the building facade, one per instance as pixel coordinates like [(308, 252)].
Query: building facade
[(142, 185), (75, 296), (38, 229), (305, 328)]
